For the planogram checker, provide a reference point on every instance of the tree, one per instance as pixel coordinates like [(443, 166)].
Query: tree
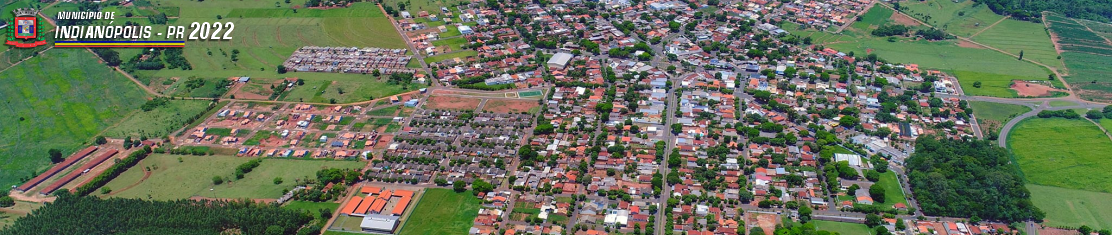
[(281, 69), (325, 213), (376, 73), (480, 185), (217, 180), (1094, 114), (1020, 54), (873, 176), (274, 230), (7, 201), (805, 214), (1105, 232), (877, 193), (1085, 229), (674, 159), (977, 84), (881, 230), (756, 230), (900, 225), (277, 180), (459, 186), (872, 220), (441, 182), (55, 156), (677, 128)]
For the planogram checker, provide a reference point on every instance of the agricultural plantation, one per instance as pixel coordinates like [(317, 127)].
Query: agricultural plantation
[(1087, 54), (58, 100)]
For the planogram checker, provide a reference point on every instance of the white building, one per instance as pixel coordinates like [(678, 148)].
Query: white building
[(559, 61)]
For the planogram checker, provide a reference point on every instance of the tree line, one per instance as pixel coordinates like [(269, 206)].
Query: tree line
[(1097, 10), (72, 214)]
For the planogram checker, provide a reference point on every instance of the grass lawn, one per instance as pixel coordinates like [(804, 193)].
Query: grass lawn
[(1000, 113), (1067, 153), (432, 6), (193, 177), (842, 227), (1061, 103), (446, 56), (160, 121), (312, 207), (892, 192), (1072, 208), (60, 99), (387, 111), (442, 211), (453, 43)]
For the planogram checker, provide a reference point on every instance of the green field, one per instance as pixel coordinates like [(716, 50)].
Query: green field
[(1072, 208), (997, 112), (60, 99), (892, 192), (1061, 103), (386, 111), (451, 55), (346, 88), (432, 6), (312, 207), (265, 35), (158, 122), (171, 179), (842, 227), (995, 70), (442, 211), (453, 43), (1067, 153), (1014, 36)]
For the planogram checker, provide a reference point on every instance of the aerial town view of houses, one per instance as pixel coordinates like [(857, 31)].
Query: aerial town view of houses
[(594, 117)]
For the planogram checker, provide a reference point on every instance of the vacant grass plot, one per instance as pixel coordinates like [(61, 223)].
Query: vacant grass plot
[(1072, 208), (442, 211), (313, 208), (432, 6), (452, 103), (192, 176), (452, 55), (59, 99), (842, 227), (997, 112), (893, 193), (961, 18), (453, 43), (158, 122), (346, 88), (509, 106), (1066, 153)]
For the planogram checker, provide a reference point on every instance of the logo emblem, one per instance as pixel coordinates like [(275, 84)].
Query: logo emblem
[(24, 30)]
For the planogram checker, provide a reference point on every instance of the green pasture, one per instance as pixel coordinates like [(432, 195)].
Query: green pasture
[(1072, 207), (158, 122), (442, 211), (171, 179), (59, 99), (1066, 153)]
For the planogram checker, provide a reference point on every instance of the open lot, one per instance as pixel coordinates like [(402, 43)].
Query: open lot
[(452, 103), (893, 193), (442, 211), (192, 176), (1072, 208), (992, 116), (842, 227), (346, 88), (59, 99), (158, 122), (509, 106), (1066, 153)]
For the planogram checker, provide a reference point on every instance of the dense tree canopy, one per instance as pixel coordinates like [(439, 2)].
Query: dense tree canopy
[(91, 215), (1098, 10), (959, 178)]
